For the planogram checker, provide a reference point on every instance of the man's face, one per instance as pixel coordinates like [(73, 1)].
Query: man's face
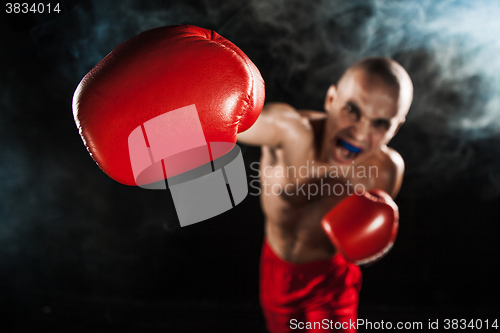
[(364, 114)]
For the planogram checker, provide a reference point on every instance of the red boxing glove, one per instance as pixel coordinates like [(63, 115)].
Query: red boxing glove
[(159, 101), (363, 228)]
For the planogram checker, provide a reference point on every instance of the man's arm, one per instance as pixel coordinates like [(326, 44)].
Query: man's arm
[(284, 131), (280, 126), (277, 124)]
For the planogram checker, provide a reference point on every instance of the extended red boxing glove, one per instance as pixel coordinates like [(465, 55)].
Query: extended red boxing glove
[(154, 107), (363, 228)]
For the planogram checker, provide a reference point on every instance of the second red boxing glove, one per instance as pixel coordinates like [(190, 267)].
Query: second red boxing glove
[(165, 97), (363, 228)]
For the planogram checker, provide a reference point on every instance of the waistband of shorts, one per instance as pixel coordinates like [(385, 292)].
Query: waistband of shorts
[(311, 267)]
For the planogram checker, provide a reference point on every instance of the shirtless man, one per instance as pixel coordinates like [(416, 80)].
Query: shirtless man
[(303, 278)]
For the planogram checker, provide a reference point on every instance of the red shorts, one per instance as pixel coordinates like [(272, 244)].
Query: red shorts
[(318, 296)]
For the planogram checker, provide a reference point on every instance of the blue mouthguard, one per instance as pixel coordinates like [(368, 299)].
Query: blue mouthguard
[(349, 147)]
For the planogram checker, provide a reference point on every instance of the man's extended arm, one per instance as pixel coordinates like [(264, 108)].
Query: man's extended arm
[(280, 126), (276, 126)]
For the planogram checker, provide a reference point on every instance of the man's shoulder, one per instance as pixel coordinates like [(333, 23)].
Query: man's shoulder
[(312, 115), (393, 159), (391, 169), (292, 121), (289, 110), (293, 129), (278, 106)]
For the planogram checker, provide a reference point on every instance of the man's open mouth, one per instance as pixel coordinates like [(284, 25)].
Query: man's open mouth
[(346, 151)]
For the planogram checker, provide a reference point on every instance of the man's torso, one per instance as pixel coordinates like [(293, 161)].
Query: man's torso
[(295, 198)]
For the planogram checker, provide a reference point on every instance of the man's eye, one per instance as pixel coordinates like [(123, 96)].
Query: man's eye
[(382, 124), (351, 110)]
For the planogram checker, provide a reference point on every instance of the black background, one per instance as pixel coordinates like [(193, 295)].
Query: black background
[(80, 252)]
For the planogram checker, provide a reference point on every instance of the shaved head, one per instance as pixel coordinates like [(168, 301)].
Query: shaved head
[(366, 109), (391, 73)]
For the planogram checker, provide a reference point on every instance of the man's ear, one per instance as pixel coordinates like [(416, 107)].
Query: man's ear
[(331, 96), (399, 126)]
